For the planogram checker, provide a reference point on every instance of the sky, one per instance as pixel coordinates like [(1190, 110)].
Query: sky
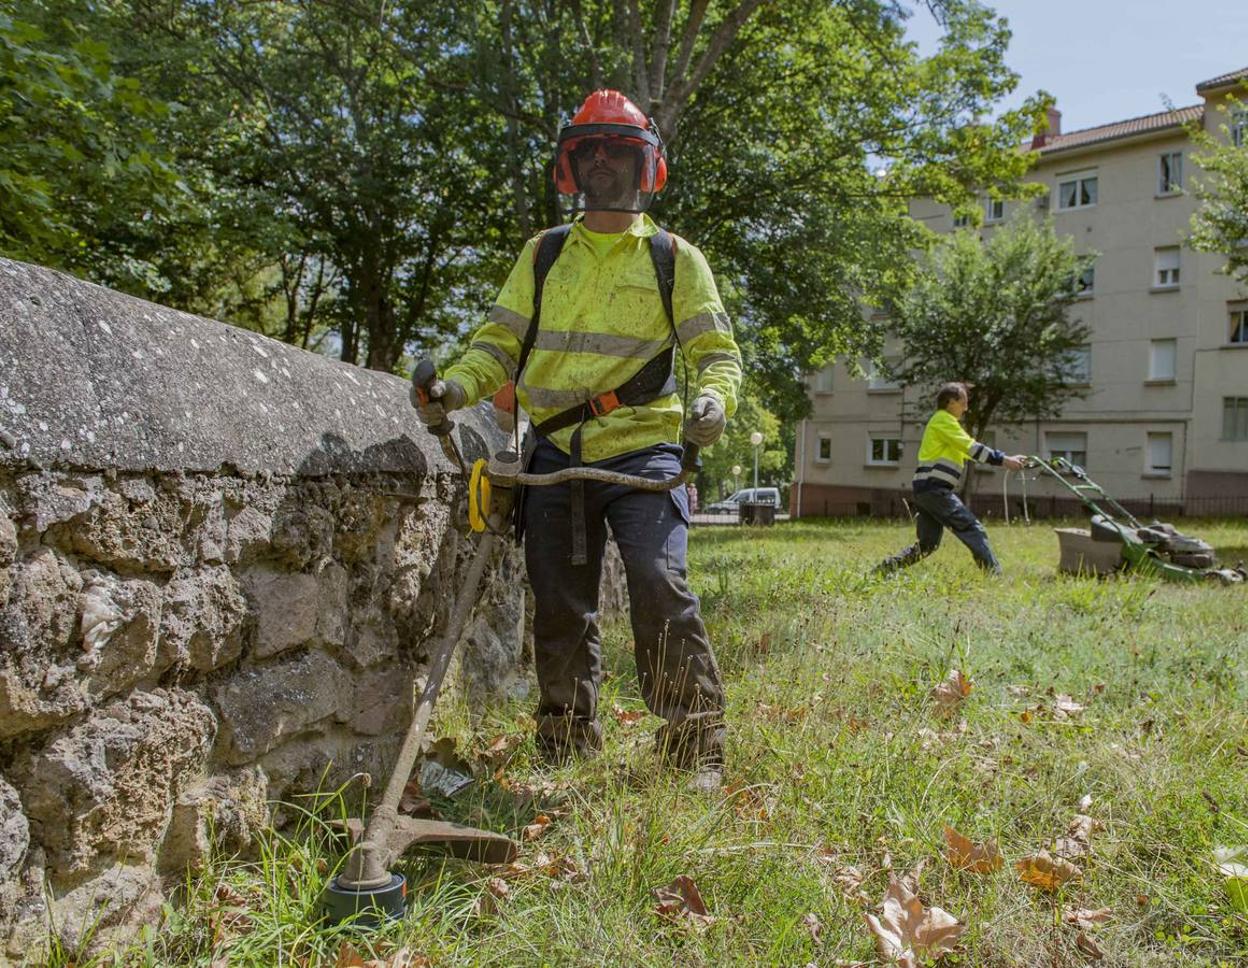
[(1109, 60)]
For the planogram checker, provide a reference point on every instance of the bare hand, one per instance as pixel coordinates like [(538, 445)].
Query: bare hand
[(1015, 463)]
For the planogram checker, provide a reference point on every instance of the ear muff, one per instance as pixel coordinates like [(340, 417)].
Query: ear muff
[(660, 177), (565, 180)]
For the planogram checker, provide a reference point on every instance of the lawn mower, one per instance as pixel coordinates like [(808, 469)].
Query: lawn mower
[(1115, 540), (367, 889)]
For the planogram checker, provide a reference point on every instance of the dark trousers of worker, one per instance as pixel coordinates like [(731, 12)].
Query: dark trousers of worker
[(676, 667), (936, 510)]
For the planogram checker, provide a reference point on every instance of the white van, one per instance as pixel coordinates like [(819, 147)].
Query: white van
[(748, 495)]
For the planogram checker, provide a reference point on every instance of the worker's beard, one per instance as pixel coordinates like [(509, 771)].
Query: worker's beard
[(607, 188)]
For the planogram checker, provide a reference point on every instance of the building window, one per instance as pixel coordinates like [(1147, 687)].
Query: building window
[(1239, 327), (1235, 418), (877, 377), (994, 210), (1162, 359), (1076, 366), (1085, 282), (1160, 454), (1076, 191), (1072, 446), (1170, 173), (823, 380), (884, 451), (1166, 262), (961, 220), (1239, 127), (825, 450)]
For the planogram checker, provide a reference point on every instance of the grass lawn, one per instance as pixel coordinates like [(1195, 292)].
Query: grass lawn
[(840, 767)]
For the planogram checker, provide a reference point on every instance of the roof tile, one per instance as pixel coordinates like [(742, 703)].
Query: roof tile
[(1122, 129)]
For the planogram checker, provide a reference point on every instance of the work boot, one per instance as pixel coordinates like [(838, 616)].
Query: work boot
[(562, 739), (706, 779)]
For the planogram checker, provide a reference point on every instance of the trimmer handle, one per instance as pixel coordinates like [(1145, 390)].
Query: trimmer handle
[(691, 460), (424, 375)]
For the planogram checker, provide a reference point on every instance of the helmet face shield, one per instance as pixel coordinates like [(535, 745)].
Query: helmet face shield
[(609, 167)]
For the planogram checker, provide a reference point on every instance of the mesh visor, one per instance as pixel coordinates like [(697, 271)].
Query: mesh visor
[(607, 167)]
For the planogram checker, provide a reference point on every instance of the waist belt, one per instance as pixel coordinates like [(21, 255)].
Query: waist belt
[(656, 379)]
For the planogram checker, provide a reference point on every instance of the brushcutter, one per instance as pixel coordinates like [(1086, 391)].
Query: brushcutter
[(367, 888)]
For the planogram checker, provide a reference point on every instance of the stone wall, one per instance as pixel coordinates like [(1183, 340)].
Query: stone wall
[(221, 562)]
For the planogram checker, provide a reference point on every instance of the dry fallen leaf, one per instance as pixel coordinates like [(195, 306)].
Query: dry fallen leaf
[(1089, 947), (1064, 707), (907, 934), (537, 828), (681, 899), (813, 925), (950, 693), (413, 802), (348, 957), (964, 854), (1045, 871), (1086, 918), (627, 717), (1077, 841), (498, 887), (1231, 861), (748, 802)]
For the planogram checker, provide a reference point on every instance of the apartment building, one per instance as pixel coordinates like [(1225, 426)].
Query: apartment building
[(1166, 412)]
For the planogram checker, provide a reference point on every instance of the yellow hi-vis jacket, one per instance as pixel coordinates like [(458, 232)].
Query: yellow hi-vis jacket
[(944, 451), (602, 321)]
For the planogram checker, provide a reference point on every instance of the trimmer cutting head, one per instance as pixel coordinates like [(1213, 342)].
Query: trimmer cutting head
[(378, 897)]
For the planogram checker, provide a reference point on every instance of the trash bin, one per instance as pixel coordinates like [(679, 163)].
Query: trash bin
[(757, 512)]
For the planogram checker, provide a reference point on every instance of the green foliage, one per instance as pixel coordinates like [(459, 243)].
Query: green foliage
[(998, 315), (362, 174), (1221, 223), (80, 156)]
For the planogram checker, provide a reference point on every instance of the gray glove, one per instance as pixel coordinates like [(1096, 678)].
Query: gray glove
[(444, 395), (706, 421)]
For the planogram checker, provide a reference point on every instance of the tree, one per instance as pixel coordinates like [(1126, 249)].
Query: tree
[(80, 157), (361, 161), (778, 119), (1221, 222), (998, 316)]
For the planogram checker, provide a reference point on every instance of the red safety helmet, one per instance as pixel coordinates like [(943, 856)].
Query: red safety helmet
[(609, 117)]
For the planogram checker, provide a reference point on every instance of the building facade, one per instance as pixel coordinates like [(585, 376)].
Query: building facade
[(1165, 418)]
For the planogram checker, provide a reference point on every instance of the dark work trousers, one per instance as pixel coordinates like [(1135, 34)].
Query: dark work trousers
[(939, 509), (676, 668)]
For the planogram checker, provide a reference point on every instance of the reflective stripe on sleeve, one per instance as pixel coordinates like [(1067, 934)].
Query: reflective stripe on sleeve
[(695, 326), (712, 358), (518, 325), (509, 365)]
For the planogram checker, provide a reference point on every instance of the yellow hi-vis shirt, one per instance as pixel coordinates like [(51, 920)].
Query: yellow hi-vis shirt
[(602, 321), (944, 451)]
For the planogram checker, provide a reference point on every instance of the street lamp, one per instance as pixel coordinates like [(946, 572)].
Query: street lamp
[(736, 477), (756, 439)]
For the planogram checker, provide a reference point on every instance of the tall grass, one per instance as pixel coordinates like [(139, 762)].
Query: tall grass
[(837, 759)]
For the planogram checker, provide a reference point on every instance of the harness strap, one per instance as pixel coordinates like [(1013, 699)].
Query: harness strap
[(652, 381)]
